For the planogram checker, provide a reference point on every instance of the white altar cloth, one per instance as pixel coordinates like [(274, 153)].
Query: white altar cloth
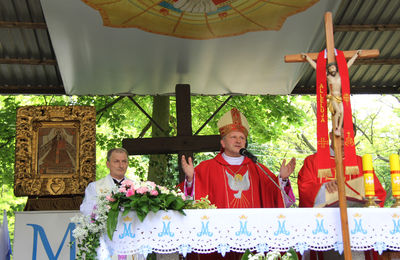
[(261, 230)]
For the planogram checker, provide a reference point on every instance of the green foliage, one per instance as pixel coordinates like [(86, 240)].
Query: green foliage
[(272, 255), (268, 116), (280, 127), (143, 197), (7, 139), (202, 203)]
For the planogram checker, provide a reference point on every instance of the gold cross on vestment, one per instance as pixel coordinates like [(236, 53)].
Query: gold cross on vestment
[(323, 142)]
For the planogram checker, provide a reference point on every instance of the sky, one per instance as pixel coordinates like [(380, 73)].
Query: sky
[(366, 104)]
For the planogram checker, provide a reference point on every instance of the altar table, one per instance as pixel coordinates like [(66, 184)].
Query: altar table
[(260, 230)]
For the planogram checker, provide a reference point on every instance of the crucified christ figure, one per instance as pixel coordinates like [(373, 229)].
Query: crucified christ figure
[(335, 103)]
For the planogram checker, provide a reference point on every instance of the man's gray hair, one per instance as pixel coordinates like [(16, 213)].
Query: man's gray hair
[(117, 150)]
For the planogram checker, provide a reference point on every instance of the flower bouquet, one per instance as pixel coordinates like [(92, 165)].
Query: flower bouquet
[(142, 197), (88, 229)]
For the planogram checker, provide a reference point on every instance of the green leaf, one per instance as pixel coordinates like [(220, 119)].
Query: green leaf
[(154, 208), (178, 204), (246, 255), (141, 215), (112, 221), (293, 254), (114, 205), (144, 207), (169, 199), (126, 211)]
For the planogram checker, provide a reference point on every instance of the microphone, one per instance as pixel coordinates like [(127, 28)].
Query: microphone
[(246, 153)]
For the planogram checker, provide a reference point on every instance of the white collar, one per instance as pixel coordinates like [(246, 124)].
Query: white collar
[(233, 160)]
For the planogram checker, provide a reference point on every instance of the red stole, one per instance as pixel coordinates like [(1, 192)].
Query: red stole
[(324, 168), (350, 164), (323, 152)]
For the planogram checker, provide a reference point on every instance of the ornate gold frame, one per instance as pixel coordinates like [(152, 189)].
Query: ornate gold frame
[(55, 150)]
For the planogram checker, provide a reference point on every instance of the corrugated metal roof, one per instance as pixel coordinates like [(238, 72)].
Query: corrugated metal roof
[(27, 59), (28, 64), (364, 24)]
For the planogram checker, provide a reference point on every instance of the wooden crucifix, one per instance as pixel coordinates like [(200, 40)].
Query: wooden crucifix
[(185, 143), (330, 50)]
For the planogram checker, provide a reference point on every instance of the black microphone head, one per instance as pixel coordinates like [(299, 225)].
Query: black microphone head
[(243, 151)]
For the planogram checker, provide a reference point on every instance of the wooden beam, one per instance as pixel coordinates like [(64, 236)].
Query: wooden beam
[(183, 110), (360, 88), (110, 104), (366, 28), (28, 61), (377, 62), (184, 123), (347, 54), (338, 148), (171, 145), (22, 25), (183, 144), (216, 111), (147, 115), (29, 89), (330, 43)]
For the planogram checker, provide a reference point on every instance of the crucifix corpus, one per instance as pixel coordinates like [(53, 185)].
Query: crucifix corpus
[(338, 100), (185, 143)]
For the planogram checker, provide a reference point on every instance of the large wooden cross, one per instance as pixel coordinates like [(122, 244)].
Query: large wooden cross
[(330, 46), (185, 143)]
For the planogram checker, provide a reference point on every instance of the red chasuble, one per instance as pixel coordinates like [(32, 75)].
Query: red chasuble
[(309, 183), (236, 186)]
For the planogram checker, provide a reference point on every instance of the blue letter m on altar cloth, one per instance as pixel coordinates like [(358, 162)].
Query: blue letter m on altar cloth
[(320, 228), (204, 230), (38, 230), (166, 230), (281, 229), (358, 227), (243, 229), (396, 227), (127, 232)]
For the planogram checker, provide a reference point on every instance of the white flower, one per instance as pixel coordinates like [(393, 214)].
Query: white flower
[(258, 256), (273, 255)]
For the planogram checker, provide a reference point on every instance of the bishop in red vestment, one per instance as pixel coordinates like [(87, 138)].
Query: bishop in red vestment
[(231, 180), (236, 186)]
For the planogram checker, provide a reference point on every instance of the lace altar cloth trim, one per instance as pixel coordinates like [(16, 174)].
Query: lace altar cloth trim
[(262, 230)]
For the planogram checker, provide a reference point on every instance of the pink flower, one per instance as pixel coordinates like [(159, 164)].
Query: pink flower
[(109, 198), (142, 190), (92, 217), (130, 192), (154, 192), (183, 196), (127, 183), (152, 184)]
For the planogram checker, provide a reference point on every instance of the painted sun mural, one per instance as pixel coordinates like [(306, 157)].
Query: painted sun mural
[(198, 19)]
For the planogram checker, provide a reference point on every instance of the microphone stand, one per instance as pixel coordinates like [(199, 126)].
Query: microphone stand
[(276, 184)]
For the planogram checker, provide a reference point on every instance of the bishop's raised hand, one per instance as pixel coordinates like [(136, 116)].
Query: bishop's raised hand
[(188, 168)]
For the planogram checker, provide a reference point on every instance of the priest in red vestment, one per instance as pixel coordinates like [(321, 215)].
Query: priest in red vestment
[(313, 190), (231, 180), (312, 187)]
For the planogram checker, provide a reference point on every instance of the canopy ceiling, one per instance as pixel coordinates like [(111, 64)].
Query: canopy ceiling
[(98, 60), (62, 47)]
